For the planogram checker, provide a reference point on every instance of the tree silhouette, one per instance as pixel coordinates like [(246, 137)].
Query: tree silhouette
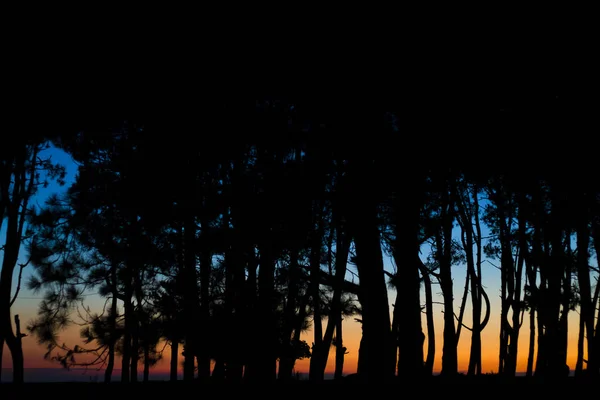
[(238, 246), (23, 170)]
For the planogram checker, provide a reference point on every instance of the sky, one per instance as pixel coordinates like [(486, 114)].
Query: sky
[(27, 303)]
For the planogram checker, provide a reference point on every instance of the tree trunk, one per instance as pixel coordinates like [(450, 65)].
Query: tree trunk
[(407, 308), (319, 351), (563, 321), (556, 271), (286, 361), (135, 342), (335, 317), (113, 325), (190, 295), (531, 274), (507, 291), (583, 276), (126, 355), (205, 268), (262, 366), (516, 301), (146, 361), (475, 353), (377, 345), (251, 299), (16, 206), (239, 346), (174, 360), (444, 242), (6, 329), (430, 359), (539, 260), (340, 351), (1, 354), (593, 366)]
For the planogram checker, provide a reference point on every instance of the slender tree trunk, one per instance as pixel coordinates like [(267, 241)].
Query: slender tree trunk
[(580, 346), (135, 331), (190, 295), (462, 307), (507, 291), (236, 358), (16, 207), (430, 359), (475, 353), (126, 355), (516, 301), (237, 257), (541, 357), (113, 325), (1, 354), (286, 361), (335, 317), (556, 274), (317, 367), (6, 328), (531, 274), (299, 323), (563, 321), (146, 361), (540, 257), (251, 299), (174, 360), (205, 329), (340, 351), (586, 325), (593, 366), (444, 242), (478, 325)]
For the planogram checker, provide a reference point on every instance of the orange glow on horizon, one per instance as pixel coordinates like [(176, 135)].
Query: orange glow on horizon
[(34, 353)]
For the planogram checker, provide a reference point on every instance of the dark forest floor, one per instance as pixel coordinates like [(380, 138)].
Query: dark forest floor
[(462, 386)]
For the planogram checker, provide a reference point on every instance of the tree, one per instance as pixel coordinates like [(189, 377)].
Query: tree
[(23, 169), (468, 217)]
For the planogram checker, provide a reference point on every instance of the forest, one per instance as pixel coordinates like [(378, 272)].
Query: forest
[(228, 233)]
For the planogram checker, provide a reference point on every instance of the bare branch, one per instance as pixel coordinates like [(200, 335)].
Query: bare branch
[(22, 267)]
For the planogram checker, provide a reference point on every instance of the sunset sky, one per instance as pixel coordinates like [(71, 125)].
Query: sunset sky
[(27, 303)]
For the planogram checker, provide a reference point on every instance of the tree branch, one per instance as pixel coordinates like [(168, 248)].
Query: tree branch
[(22, 267)]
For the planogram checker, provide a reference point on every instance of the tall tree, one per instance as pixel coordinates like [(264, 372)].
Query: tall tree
[(23, 169)]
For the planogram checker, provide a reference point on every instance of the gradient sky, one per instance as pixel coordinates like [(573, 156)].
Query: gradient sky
[(27, 303)]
